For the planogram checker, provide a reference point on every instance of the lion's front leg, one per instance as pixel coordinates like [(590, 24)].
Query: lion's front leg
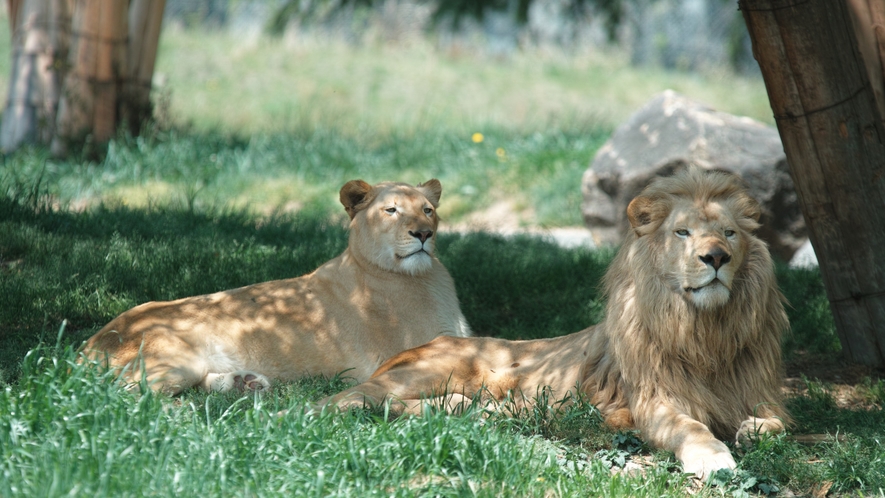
[(692, 442)]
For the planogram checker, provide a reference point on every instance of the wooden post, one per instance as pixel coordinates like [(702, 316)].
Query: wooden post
[(145, 20), (833, 133), (98, 65), (72, 79), (13, 7), (39, 50), (868, 17)]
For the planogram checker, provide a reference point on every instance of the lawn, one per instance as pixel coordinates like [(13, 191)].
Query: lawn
[(239, 185)]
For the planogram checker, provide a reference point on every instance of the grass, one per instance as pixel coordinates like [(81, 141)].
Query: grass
[(280, 124), (73, 432), (238, 183), (414, 86), (303, 170), (65, 428)]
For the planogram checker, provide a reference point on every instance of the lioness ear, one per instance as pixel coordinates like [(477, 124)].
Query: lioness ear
[(352, 194), (431, 189), (643, 212)]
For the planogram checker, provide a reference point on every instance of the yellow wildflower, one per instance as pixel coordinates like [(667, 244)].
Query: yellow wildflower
[(477, 137)]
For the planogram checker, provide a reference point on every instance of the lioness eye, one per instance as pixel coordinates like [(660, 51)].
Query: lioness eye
[(729, 233), (682, 233), (391, 210), (428, 211)]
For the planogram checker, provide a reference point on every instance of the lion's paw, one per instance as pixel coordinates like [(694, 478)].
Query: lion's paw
[(242, 381), (753, 427), (250, 381), (704, 459)]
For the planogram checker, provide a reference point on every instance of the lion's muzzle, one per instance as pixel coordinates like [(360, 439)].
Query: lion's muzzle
[(715, 258), (421, 235)]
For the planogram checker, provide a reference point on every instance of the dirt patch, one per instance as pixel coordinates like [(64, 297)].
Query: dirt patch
[(847, 382), (830, 368)]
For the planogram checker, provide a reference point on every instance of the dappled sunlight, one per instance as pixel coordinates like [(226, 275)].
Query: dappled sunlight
[(348, 315)]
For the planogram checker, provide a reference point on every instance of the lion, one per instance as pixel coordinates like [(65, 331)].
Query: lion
[(385, 293), (688, 352)]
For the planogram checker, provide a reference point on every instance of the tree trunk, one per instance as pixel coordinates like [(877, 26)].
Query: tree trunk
[(89, 105), (39, 51), (833, 131), (145, 20), (77, 79), (869, 21), (13, 8)]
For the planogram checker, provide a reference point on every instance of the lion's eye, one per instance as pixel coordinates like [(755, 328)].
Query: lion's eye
[(729, 233), (428, 211), (391, 210), (682, 232)]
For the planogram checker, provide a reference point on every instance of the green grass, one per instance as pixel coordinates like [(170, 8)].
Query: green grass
[(237, 183), (303, 170), (277, 124), (68, 429), (65, 428), (252, 84)]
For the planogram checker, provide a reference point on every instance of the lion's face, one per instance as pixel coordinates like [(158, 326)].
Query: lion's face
[(703, 248), (696, 230), (393, 225)]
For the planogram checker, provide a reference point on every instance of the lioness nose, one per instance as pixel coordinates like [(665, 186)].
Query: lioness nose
[(716, 258), (421, 235)]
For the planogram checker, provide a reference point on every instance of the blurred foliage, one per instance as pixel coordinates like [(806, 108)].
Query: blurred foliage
[(449, 14)]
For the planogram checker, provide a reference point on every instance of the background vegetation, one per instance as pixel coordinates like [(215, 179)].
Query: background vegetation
[(236, 183)]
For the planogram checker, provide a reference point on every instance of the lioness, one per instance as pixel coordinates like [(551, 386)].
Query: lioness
[(688, 353), (385, 293)]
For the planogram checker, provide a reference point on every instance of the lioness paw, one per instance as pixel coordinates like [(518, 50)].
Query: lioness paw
[(249, 381), (704, 459), (243, 380)]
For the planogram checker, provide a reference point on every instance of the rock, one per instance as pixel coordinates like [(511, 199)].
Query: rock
[(671, 132), (804, 257)]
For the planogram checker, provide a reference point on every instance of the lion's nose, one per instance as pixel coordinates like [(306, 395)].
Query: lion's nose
[(421, 235), (716, 258)]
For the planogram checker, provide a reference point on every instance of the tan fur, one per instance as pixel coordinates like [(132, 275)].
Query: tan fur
[(385, 293), (689, 351)]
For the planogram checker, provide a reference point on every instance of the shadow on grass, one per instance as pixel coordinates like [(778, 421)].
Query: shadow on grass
[(88, 267)]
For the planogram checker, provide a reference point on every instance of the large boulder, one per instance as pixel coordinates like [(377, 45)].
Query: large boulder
[(671, 132)]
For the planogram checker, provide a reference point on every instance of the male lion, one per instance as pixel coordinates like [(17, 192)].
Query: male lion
[(385, 293), (688, 353)]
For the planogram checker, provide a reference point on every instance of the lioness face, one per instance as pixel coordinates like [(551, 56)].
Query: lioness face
[(396, 229), (704, 248)]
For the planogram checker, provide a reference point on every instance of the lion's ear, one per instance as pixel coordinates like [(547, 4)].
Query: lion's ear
[(751, 208), (749, 211), (352, 195), (431, 189), (644, 213)]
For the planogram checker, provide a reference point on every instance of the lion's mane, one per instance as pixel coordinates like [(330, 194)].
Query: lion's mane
[(716, 365)]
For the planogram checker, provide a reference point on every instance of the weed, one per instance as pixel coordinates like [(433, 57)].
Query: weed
[(873, 391)]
